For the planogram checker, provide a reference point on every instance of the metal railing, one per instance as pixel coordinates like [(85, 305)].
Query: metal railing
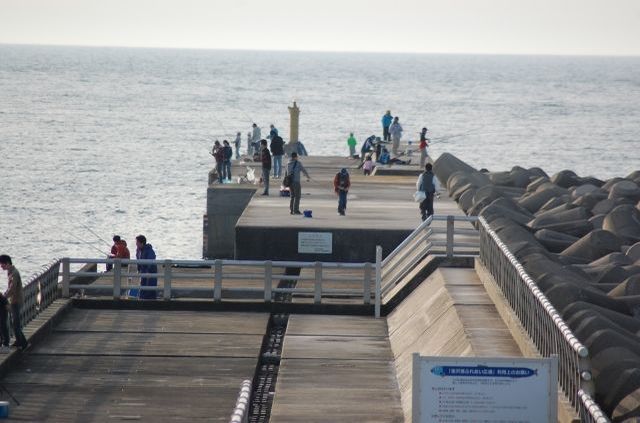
[(219, 274), (428, 240), (548, 331), (240, 413), (40, 292), (589, 411)]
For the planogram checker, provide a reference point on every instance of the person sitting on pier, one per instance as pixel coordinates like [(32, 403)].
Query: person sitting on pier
[(367, 146), (341, 185), (119, 250), (294, 167), (145, 251), (427, 183)]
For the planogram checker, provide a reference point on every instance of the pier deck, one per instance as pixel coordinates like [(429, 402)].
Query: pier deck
[(112, 365)]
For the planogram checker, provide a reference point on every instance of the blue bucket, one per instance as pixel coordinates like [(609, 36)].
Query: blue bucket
[(4, 409), (307, 213)]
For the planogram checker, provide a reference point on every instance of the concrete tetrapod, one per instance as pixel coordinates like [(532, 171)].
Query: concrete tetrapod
[(624, 221), (594, 245)]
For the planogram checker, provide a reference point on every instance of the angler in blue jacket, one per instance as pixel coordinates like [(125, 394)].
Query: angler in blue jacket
[(145, 251), (386, 123)]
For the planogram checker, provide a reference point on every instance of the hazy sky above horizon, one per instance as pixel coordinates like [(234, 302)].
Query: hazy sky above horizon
[(593, 27)]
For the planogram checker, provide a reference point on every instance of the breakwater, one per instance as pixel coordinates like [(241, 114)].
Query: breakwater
[(579, 239)]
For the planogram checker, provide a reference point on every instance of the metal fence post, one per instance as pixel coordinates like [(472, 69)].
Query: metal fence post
[(317, 296), (378, 279), (217, 288), (167, 280), (366, 289), (66, 277), (268, 275), (117, 279), (450, 228)]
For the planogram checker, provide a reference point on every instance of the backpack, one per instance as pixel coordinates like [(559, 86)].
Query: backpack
[(427, 183)]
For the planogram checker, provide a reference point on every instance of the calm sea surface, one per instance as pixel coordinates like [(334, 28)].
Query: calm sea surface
[(97, 141)]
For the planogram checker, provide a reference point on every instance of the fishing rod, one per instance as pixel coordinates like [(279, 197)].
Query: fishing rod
[(448, 137), (87, 243), (95, 234)]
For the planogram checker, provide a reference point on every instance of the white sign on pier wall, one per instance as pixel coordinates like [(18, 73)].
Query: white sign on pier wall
[(481, 389), (315, 242)]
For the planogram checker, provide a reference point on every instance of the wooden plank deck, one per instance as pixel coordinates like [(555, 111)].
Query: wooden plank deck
[(336, 369), (154, 366)]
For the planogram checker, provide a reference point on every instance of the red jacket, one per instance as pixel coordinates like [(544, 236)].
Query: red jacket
[(341, 182)]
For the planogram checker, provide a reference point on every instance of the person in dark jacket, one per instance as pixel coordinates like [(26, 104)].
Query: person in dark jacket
[(294, 168), (227, 155), (145, 251), (218, 155), (341, 184), (277, 151), (265, 158), (15, 297), (428, 183)]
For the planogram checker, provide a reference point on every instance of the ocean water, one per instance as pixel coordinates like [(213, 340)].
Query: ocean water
[(98, 141)]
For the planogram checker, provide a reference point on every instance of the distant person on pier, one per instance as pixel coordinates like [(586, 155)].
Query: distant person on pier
[(265, 158), (341, 185), (273, 132), (14, 296), (367, 146), (351, 142), (368, 165), (427, 183), (386, 123), (236, 143), (255, 138), (294, 167), (218, 155), (396, 133), (277, 151), (249, 144), (227, 155), (424, 143), (145, 251), (119, 250)]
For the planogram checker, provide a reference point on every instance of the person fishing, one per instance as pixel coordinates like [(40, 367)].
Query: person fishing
[(424, 143)]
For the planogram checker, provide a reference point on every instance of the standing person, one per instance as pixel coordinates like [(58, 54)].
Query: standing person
[(424, 143), (386, 123), (255, 138), (218, 155), (294, 167), (277, 151), (236, 143), (367, 165), (396, 133), (428, 183), (227, 155), (145, 251), (119, 250), (273, 132), (265, 158), (351, 142), (341, 184), (15, 298), (249, 144)]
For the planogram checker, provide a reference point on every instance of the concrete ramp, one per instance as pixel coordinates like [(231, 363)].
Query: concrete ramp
[(449, 314)]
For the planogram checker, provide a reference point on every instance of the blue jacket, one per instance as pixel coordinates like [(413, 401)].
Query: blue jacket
[(386, 120), (147, 253)]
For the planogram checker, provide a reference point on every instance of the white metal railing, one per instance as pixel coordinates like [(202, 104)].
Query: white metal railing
[(40, 292), (426, 239), (240, 413), (538, 317), (589, 411), (219, 274)]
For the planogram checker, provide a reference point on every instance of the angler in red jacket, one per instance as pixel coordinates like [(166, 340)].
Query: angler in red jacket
[(341, 185)]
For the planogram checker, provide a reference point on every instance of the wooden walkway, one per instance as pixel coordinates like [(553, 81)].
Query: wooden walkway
[(336, 369), (153, 366)]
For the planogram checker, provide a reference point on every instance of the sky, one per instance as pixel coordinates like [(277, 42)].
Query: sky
[(566, 27)]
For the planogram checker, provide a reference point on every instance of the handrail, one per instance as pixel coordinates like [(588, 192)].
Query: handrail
[(40, 292), (589, 411), (240, 413), (540, 319)]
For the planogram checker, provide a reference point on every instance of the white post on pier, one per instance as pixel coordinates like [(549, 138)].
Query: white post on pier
[(378, 279)]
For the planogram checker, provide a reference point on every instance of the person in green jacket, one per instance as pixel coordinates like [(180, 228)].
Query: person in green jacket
[(351, 142)]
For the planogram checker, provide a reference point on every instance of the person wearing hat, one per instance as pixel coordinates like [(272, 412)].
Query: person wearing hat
[(386, 123), (341, 184)]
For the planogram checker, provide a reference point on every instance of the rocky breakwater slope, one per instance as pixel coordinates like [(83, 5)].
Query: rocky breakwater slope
[(579, 240)]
